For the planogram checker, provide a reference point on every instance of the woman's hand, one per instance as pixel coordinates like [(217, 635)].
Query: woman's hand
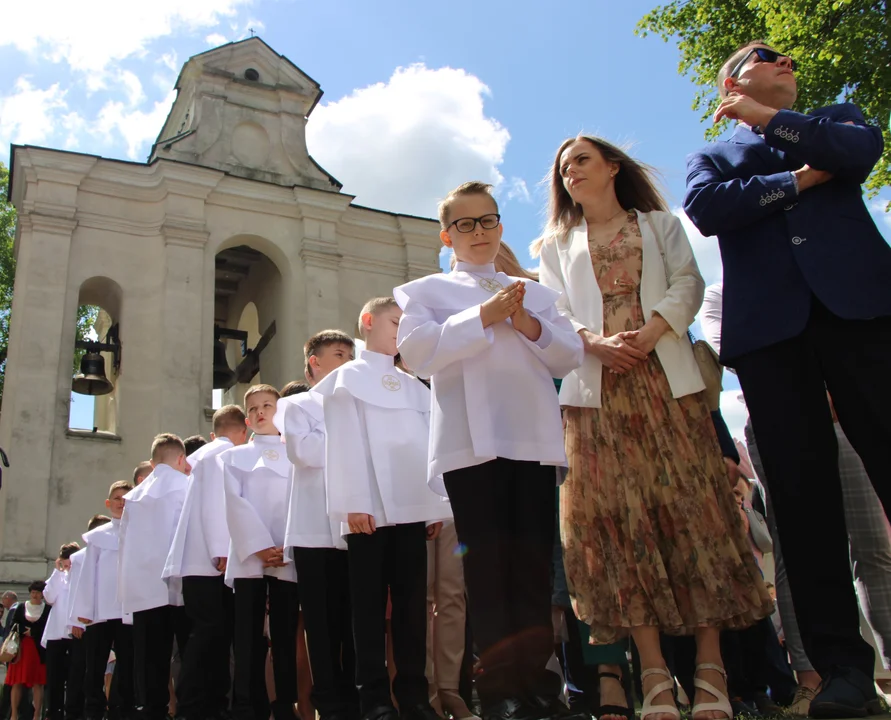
[(646, 338), (616, 351)]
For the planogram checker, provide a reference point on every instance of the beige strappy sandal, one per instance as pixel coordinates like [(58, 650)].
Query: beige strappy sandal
[(722, 704), (667, 685)]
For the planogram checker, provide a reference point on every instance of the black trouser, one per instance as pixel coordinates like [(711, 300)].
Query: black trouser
[(58, 673), (153, 633), (204, 678), (250, 699), (394, 558), (504, 514), (99, 639), (785, 389), (325, 600), (74, 686)]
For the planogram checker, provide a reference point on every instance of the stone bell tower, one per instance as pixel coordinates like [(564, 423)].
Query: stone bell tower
[(230, 229)]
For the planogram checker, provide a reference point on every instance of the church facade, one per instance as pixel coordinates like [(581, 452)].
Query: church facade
[(230, 225)]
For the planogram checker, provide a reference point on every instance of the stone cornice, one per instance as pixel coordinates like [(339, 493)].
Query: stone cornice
[(320, 204), (378, 267), (52, 224), (316, 253), (184, 233)]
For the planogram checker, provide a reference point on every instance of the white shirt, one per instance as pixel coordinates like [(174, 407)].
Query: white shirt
[(56, 594), (711, 313), (77, 563), (96, 593), (151, 514), (566, 267), (378, 423), (301, 421), (493, 388), (257, 483), (201, 534)]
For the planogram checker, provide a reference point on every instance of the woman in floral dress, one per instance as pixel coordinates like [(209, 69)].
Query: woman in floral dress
[(652, 536)]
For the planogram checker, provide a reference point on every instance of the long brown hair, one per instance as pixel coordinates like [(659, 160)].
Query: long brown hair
[(506, 262), (636, 188)]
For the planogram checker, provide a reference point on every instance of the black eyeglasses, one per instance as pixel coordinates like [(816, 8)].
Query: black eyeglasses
[(466, 225), (764, 55)]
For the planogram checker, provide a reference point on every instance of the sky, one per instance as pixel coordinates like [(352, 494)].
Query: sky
[(419, 96)]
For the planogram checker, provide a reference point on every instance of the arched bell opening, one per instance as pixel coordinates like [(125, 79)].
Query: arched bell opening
[(97, 358), (247, 301)]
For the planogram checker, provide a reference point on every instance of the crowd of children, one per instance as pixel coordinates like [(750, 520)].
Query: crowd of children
[(329, 500)]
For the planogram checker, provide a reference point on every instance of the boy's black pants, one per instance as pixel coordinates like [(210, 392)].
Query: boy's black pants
[(505, 513), (393, 559)]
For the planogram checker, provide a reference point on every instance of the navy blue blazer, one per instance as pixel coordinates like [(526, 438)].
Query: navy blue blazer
[(780, 248)]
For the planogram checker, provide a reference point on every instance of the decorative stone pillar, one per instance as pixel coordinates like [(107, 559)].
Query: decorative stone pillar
[(35, 397)]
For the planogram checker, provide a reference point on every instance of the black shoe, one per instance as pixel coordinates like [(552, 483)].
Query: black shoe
[(509, 709), (381, 712), (742, 708), (609, 710), (419, 712), (845, 693), (547, 707)]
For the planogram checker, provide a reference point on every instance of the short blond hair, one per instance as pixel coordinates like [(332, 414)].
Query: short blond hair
[(228, 417), (257, 389), (167, 446), (474, 187), (119, 485), (323, 339), (141, 471), (375, 306)]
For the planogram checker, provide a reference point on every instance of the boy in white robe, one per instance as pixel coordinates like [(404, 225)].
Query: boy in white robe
[(197, 559), (314, 539), (95, 605), (257, 483), (148, 524), (377, 422), (56, 637), (492, 345)]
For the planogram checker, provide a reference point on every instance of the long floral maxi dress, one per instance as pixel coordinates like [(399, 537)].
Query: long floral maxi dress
[(651, 532)]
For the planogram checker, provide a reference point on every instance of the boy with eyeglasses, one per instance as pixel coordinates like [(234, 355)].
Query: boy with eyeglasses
[(492, 345)]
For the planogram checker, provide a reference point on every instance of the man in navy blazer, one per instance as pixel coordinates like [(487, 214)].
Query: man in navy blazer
[(807, 308)]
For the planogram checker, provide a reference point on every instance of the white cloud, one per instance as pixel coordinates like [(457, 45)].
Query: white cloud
[(215, 39), (91, 38), (30, 114), (706, 250), (517, 190), (136, 126), (401, 145)]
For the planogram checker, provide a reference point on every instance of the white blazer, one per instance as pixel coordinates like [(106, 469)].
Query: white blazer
[(566, 267)]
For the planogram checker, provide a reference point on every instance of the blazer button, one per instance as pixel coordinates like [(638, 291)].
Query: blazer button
[(798, 240)]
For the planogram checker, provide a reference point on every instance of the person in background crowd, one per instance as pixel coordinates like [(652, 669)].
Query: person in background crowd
[(29, 670), (647, 482), (806, 308)]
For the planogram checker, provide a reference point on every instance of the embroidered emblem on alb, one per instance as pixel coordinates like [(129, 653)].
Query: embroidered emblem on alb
[(490, 285), (270, 455), (391, 382)]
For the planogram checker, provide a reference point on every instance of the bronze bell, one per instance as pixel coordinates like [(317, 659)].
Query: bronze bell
[(91, 379), (223, 375)]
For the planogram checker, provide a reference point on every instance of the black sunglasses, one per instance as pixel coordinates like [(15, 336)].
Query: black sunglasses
[(764, 55)]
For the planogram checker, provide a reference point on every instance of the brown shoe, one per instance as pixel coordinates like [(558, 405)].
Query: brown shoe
[(801, 704)]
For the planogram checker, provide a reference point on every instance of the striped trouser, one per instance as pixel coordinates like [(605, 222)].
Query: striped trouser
[(870, 545)]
